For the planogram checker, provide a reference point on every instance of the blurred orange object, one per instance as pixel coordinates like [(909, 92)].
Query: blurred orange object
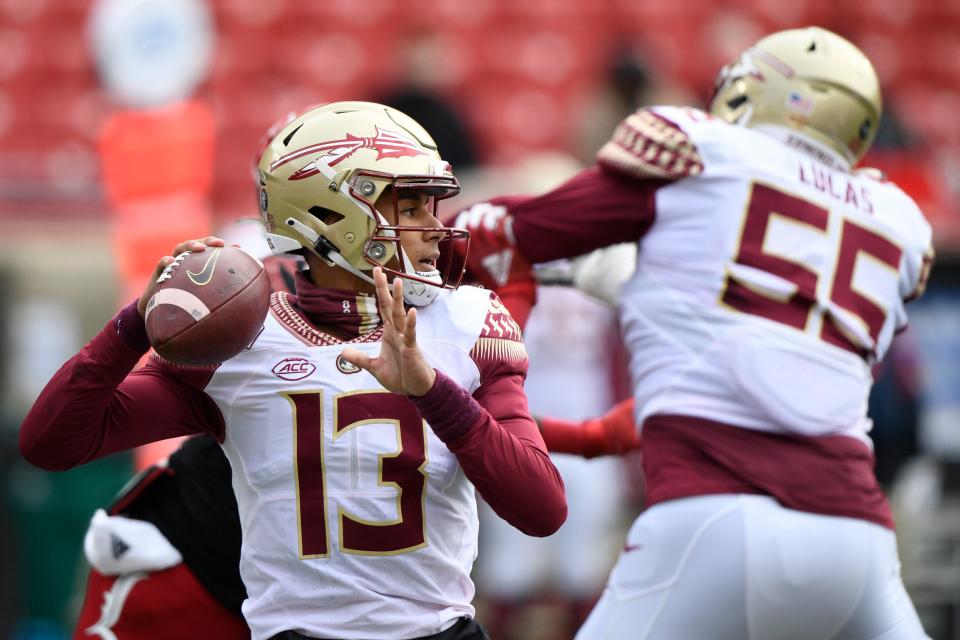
[(157, 167), (156, 152)]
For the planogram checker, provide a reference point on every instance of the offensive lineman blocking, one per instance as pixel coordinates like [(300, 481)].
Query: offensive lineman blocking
[(770, 277)]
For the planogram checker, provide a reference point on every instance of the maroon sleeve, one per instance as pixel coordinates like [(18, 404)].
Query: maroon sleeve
[(595, 208), (509, 462), (493, 435), (500, 450), (613, 433), (575, 438), (93, 406)]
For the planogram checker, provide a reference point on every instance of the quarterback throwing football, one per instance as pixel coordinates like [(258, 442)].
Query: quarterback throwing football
[(359, 421)]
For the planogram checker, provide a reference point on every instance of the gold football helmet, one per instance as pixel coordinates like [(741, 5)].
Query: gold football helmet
[(321, 174), (808, 79)]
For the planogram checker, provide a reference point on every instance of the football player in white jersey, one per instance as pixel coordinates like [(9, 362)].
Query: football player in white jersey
[(172, 535), (770, 275), (357, 426)]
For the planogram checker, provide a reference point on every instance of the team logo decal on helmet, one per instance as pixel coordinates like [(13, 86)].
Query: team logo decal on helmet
[(387, 144)]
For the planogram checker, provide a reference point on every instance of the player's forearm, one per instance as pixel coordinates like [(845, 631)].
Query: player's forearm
[(93, 407), (563, 436), (613, 433), (593, 209), (514, 475), (65, 426), (504, 457)]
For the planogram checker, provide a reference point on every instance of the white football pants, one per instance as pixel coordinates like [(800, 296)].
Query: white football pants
[(742, 567)]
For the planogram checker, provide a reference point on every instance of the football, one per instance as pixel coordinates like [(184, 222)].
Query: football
[(208, 306)]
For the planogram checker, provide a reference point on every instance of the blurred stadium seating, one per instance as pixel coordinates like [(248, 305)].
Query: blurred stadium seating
[(524, 74), (519, 71)]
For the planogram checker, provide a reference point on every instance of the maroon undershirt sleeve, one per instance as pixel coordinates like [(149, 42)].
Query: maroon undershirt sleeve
[(613, 433), (576, 438), (595, 208), (92, 407), (500, 449)]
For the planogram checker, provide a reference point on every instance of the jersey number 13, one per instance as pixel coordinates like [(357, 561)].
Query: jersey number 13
[(402, 470)]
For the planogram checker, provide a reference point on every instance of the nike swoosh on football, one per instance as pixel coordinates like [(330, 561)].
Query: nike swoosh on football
[(206, 272)]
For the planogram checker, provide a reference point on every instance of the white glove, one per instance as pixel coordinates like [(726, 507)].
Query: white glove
[(601, 273), (115, 545)]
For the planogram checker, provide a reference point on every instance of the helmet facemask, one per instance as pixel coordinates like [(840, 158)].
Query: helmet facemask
[(420, 288), (730, 86)]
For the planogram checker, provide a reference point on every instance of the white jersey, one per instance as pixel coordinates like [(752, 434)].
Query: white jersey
[(358, 521), (770, 280)]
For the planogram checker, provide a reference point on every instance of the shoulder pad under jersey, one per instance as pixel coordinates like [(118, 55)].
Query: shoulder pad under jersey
[(649, 145)]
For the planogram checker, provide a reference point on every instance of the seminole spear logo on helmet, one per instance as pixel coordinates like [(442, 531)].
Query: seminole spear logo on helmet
[(388, 144)]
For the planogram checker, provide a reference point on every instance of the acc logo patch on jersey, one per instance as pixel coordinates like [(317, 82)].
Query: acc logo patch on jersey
[(293, 369)]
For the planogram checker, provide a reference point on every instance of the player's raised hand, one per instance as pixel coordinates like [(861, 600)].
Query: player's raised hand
[(400, 367), (199, 244)]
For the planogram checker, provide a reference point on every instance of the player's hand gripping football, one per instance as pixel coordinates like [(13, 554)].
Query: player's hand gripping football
[(188, 245), (400, 367)]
